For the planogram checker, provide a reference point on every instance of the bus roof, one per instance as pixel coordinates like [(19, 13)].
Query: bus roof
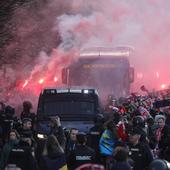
[(74, 89), (123, 51)]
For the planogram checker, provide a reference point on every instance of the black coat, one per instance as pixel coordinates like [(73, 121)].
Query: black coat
[(21, 155), (121, 166), (141, 155), (81, 155), (59, 133), (164, 143)]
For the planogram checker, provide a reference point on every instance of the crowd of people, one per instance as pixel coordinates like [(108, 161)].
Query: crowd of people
[(132, 133)]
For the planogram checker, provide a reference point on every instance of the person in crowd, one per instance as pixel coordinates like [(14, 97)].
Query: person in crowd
[(26, 126), (139, 123), (10, 113), (163, 137), (117, 114), (121, 159), (54, 128), (122, 128), (28, 139), (26, 113), (53, 157), (150, 133), (57, 130), (111, 102), (168, 118), (98, 124), (139, 152), (13, 140), (82, 153), (114, 115), (28, 135), (22, 155), (107, 142), (95, 134), (71, 141)]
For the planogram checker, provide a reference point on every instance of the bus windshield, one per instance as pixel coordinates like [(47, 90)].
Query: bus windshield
[(68, 108)]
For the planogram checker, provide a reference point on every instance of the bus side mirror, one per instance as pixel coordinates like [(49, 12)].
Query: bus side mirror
[(131, 74), (65, 75)]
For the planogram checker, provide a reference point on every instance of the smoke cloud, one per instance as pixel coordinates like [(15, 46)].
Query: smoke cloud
[(47, 35), (143, 25)]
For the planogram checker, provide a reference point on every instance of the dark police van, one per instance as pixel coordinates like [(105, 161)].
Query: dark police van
[(76, 108)]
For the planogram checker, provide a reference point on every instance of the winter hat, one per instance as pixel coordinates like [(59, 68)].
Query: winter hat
[(157, 117)]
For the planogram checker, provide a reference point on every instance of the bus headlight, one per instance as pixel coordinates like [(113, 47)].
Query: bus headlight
[(86, 91)]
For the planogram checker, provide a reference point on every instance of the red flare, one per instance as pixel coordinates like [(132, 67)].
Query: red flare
[(163, 86), (55, 79), (25, 84), (41, 81)]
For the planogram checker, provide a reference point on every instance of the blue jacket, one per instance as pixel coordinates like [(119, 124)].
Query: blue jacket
[(107, 143)]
